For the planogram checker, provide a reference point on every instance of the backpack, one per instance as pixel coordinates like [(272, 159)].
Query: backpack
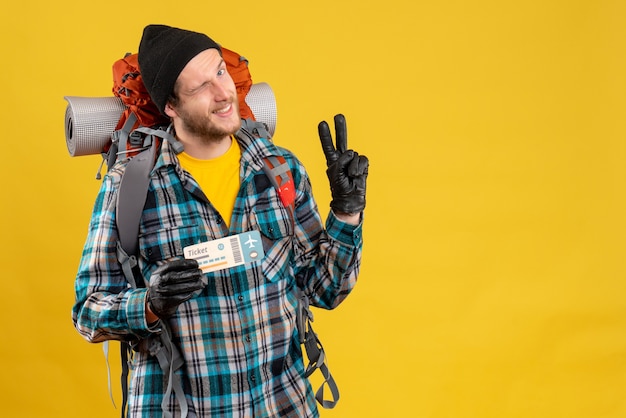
[(137, 135), (142, 112)]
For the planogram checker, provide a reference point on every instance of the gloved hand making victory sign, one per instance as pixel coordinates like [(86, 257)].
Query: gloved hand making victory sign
[(347, 170)]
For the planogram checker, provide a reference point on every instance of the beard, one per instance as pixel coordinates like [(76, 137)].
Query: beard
[(201, 125)]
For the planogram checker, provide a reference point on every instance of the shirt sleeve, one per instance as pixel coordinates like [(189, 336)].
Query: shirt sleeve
[(105, 306), (327, 258)]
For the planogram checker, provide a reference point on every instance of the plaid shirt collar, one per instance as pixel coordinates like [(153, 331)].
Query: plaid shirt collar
[(253, 151)]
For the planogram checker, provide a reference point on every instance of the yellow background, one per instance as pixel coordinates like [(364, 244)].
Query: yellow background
[(493, 281)]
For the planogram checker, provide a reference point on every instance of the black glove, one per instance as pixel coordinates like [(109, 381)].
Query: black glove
[(347, 170), (172, 284)]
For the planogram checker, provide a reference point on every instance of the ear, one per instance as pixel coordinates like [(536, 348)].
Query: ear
[(169, 110)]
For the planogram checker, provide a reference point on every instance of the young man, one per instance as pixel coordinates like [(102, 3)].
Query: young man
[(236, 327)]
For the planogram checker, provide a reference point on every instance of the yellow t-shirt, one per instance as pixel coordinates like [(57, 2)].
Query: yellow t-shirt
[(218, 178)]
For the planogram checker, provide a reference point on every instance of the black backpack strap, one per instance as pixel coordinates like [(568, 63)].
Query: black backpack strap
[(121, 136), (130, 203), (134, 187), (256, 128), (170, 360), (279, 174), (126, 355), (132, 198), (314, 350)]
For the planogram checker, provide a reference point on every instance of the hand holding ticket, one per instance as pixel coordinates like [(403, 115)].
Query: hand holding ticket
[(172, 284), (227, 252)]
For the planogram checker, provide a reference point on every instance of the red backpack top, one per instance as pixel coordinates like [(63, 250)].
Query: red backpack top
[(128, 86)]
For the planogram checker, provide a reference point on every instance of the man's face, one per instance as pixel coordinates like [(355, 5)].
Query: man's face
[(207, 106)]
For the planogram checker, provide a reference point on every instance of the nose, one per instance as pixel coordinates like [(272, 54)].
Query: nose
[(219, 91)]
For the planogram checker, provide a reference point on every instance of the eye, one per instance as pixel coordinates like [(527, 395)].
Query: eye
[(221, 72)]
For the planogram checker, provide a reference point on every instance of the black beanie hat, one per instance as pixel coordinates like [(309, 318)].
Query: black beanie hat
[(163, 53)]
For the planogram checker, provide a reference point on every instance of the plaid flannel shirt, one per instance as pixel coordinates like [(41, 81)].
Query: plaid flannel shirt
[(238, 337)]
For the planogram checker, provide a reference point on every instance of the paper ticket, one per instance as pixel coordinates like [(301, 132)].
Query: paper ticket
[(227, 252)]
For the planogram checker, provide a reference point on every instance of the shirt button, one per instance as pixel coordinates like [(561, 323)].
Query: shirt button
[(240, 298), (252, 378), (248, 339), (219, 220)]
